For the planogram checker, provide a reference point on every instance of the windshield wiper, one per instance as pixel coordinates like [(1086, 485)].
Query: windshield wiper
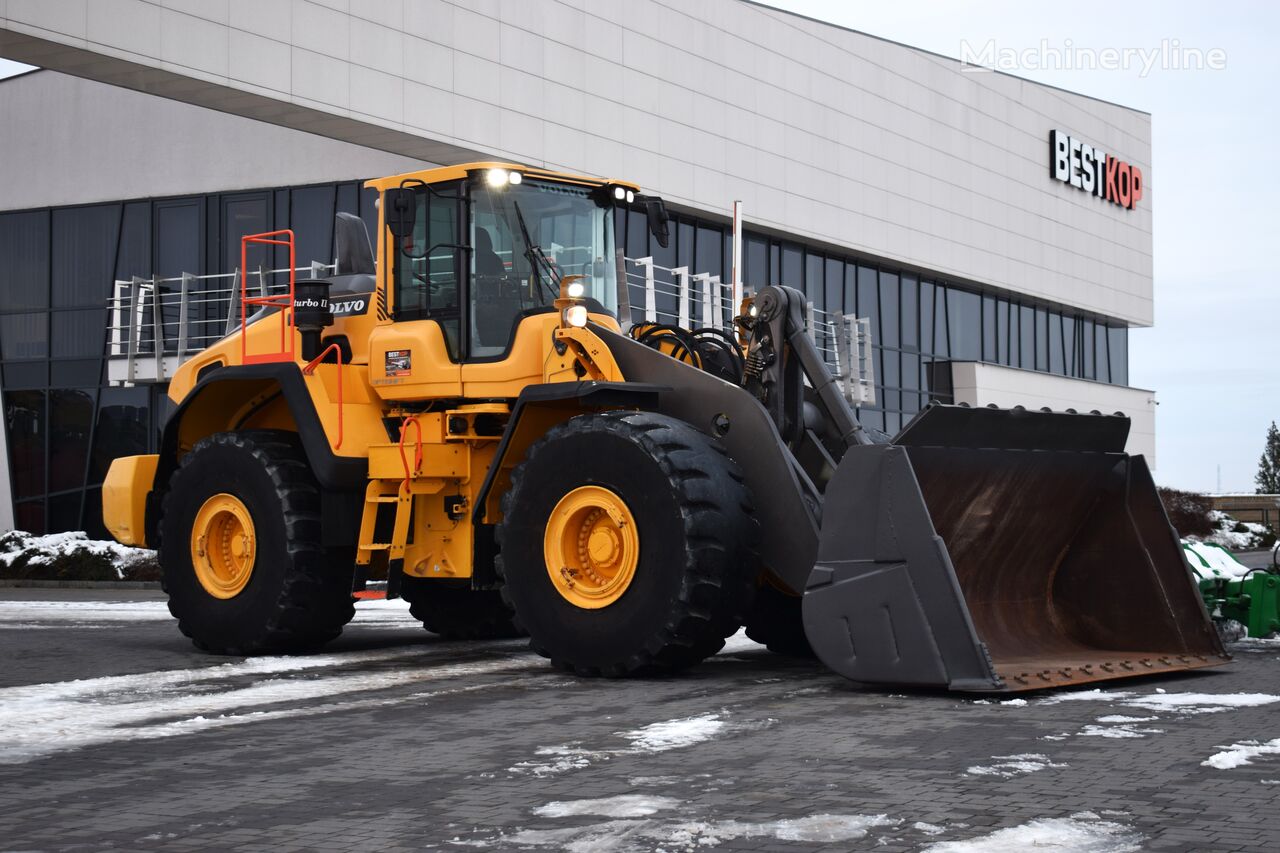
[(536, 256)]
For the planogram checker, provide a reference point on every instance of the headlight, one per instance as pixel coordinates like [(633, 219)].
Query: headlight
[(497, 177), (514, 178), (576, 315), (620, 193), (630, 196), (575, 290)]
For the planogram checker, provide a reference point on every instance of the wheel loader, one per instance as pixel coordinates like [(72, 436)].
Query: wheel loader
[(472, 412)]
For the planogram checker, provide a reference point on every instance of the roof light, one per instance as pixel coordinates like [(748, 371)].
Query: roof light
[(619, 193), (575, 290), (497, 177), (515, 178)]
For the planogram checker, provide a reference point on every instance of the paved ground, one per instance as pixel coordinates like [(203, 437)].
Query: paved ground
[(394, 740)]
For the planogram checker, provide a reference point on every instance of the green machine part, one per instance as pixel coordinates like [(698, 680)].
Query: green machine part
[(1252, 598)]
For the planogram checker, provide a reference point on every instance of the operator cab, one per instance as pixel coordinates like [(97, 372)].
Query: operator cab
[(479, 253)]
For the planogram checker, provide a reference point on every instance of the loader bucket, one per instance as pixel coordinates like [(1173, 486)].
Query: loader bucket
[(1002, 550)]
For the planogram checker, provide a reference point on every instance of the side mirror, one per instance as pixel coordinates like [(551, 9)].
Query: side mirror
[(401, 211), (656, 212)]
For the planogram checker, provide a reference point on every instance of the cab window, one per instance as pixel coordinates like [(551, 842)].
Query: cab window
[(429, 266)]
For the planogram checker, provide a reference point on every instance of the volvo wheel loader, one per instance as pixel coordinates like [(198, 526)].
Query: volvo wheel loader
[(475, 415)]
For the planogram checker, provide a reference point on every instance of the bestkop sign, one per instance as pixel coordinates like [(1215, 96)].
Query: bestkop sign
[(1093, 170)]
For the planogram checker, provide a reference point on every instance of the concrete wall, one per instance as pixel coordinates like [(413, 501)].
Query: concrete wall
[(75, 141), (823, 132), (982, 384)]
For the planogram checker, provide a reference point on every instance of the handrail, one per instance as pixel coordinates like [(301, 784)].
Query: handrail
[(311, 369), (282, 301), (417, 456)]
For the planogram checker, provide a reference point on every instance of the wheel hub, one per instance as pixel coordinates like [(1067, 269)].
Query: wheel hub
[(223, 546), (591, 547)]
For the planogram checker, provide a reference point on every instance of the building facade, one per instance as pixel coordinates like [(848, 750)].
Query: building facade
[(975, 218)]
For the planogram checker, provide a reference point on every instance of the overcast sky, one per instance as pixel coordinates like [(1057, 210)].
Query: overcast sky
[(1213, 356)]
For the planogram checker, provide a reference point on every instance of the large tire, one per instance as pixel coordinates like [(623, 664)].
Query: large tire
[(298, 593), (456, 611), (694, 575), (775, 621)]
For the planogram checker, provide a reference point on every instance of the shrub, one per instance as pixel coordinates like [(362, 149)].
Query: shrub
[(1189, 512), (72, 557)]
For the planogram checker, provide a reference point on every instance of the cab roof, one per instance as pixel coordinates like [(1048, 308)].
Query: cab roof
[(452, 173)]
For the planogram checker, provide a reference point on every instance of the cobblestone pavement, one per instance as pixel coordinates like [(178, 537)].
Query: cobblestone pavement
[(116, 734)]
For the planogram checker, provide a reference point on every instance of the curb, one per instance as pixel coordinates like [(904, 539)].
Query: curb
[(18, 583)]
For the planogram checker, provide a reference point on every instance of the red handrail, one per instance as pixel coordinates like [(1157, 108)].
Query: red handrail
[(282, 301), (311, 368)]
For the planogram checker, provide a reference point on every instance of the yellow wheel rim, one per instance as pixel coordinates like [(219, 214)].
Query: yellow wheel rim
[(223, 546), (592, 547)]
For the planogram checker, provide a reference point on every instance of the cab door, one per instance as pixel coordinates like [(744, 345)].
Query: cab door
[(419, 353)]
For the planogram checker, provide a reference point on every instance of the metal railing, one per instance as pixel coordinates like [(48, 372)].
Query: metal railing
[(156, 323)]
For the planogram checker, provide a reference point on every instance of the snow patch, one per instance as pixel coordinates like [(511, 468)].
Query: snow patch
[(1009, 766), (1225, 534), (1121, 718), (1210, 560), (928, 828), (626, 805), (1121, 732), (1239, 754), (1080, 833), (47, 549), (1094, 695), (674, 734), (1017, 703), (1199, 703)]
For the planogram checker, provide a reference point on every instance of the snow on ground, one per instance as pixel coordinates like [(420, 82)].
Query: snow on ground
[(115, 614), (44, 550), (1254, 535), (654, 738), (1008, 766), (1238, 754), (626, 805), (928, 828), (44, 719), (631, 836), (1081, 833)]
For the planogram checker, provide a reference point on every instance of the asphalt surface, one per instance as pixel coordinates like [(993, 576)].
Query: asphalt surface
[(116, 734)]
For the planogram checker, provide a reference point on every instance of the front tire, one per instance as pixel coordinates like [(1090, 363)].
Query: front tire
[(652, 526), (240, 548), (455, 611)]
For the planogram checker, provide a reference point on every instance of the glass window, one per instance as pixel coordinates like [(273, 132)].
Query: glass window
[(80, 371), (243, 215), (29, 516), (928, 298), (84, 254), (989, 329), (178, 239), (965, 322), (941, 341), (311, 216), (1118, 345), (1042, 339), (869, 299), (755, 263), (1070, 351), (792, 266), (80, 333), (709, 256), (815, 288), (1055, 343), (910, 313), (851, 289), (1086, 348), (25, 419), (24, 336), (24, 273), (1002, 331), (123, 418), (1027, 337), (775, 264), (684, 238), (134, 257), (1101, 364), (889, 321), (834, 287), (911, 378), (637, 232), (70, 420)]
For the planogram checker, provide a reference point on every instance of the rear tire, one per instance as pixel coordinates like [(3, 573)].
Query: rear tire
[(694, 565), (458, 612), (298, 593), (776, 622)]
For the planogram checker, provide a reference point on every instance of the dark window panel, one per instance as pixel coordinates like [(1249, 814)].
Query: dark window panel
[(910, 291), (369, 213), (709, 253), (1101, 365), (244, 214), (869, 299), (70, 421), (64, 512), (685, 236), (834, 287), (872, 418), (890, 301), (928, 299), (24, 272), (1086, 348), (349, 197), (964, 321), (81, 371), (1003, 333), (989, 329), (24, 336), (280, 201), (1042, 339), (123, 420), (1056, 363), (177, 242), (84, 254), (1027, 337), (28, 374), (775, 264), (851, 289), (1118, 344), (792, 266), (637, 234), (815, 289), (78, 334), (890, 371), (911, 377), (755, 263), (941, 324), (1070, 355), (29, 516), (24, 413), (93, 525), (134, 256), (665, 256), (311, 211)]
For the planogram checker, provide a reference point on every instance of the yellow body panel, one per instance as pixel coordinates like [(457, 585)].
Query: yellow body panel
[(124, 498), (429, 371)]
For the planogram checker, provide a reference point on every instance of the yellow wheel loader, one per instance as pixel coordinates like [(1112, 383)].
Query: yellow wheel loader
[(470, 415)]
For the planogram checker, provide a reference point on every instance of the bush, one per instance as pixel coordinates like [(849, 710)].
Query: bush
[(1189, 512), (72, 557)]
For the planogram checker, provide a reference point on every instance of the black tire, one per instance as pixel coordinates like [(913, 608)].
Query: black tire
[(454, 610), (696, 568), (775, 621), (299, 594)]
